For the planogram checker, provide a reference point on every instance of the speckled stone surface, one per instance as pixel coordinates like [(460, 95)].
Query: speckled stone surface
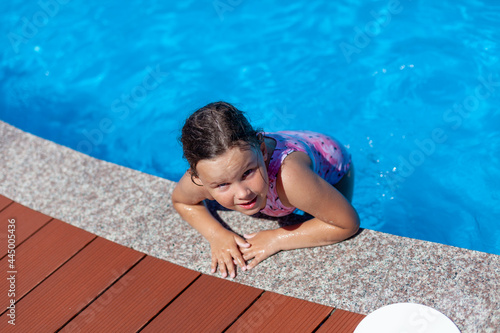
[(361, 274)]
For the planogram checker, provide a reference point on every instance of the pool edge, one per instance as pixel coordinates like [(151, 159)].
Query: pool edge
[(362, 274)]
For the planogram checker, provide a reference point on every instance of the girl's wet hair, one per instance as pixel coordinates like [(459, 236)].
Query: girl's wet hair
[(214, 129)]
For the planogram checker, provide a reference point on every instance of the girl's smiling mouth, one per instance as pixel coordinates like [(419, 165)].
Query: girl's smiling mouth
[(249, 204)]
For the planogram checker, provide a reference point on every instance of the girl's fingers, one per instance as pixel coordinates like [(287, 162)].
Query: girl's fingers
[(222, 268), (228, 265), (238, 260), (231, 270), (213, 267), (248, 236), (248, 256), (241, 242), (253, 263), (245, 249)]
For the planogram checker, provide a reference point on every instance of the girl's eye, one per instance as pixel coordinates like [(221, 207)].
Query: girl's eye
[(222, 185), (248, 173)]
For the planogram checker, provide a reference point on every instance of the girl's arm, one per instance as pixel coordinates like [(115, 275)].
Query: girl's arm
[(187, 199), (298, 186)]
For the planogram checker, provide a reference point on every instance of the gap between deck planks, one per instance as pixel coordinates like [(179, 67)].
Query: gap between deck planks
[(69, 280)]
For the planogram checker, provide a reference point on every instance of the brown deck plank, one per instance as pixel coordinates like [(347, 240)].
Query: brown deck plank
[(41, 255), (278, 313), (341, 321), (4, 202), (210, 304), (134, 299), (63, 294), (27, 222)]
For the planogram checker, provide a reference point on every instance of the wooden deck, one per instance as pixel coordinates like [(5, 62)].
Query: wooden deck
[(66, 279)]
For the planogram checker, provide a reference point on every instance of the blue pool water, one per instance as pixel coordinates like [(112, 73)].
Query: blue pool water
[(411, 87)]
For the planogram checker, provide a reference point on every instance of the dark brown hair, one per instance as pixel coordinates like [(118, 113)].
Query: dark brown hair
[(213, 129)]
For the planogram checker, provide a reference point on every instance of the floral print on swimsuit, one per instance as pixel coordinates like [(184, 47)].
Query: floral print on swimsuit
[(330, 161)]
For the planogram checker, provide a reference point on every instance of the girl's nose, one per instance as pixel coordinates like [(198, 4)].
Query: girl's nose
[(243, 192)]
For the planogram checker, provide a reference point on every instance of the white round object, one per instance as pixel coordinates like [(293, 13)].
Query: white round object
[(406, 318)]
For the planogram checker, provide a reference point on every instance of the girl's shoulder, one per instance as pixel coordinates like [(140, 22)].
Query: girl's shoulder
[(286, 143), (188, 192), (295, 165), (292, 152)]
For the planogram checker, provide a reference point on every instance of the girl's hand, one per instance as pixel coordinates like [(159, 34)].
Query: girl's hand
[(263, 244), (226, 253)]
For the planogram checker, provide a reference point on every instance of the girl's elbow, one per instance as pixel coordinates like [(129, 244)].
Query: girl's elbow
[(341, 233), (175, 203), (354, 227), (353, 230)]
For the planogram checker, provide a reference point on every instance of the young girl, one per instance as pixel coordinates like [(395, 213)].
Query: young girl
[(271, 173)]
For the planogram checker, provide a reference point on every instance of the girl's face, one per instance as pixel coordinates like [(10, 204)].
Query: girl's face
[(237, 179)]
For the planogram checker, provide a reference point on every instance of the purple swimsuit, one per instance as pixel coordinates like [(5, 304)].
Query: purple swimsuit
[(330, 161)]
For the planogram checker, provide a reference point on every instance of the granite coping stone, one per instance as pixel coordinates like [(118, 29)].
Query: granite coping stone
[(361, 274)]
